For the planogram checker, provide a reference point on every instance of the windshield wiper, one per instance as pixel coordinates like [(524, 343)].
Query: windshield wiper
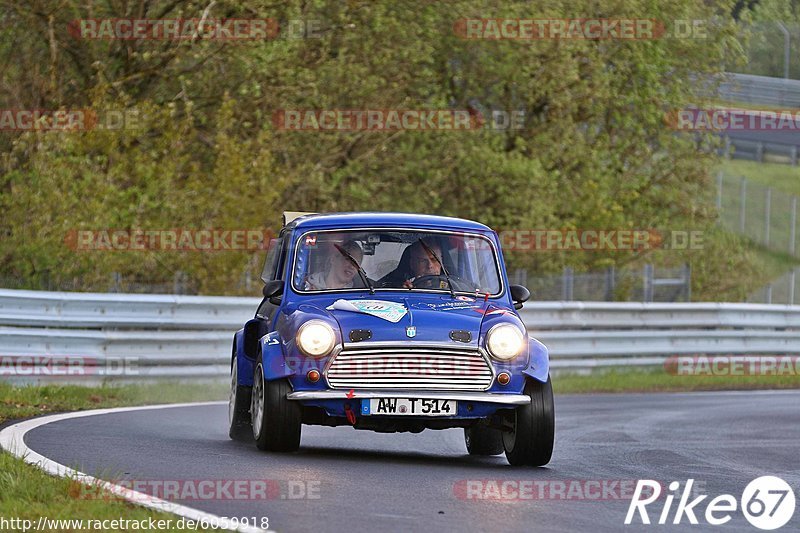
[(361, 272), (444, 268)]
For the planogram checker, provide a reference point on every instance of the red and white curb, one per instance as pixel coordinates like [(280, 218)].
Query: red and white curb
[(12, 439)]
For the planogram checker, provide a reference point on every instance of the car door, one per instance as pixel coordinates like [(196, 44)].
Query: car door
[(274, 269)]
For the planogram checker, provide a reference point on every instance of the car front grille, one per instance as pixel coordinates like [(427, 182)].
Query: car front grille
[(408, 366)]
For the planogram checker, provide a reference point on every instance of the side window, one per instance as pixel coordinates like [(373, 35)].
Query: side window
[(273, 261), (273, 269), (280, 272), (268, 272)]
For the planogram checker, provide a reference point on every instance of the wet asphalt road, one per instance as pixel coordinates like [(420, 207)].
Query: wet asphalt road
[(364, 481)]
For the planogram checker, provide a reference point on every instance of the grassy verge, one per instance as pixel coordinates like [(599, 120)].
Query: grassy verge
[(28, 401), (28, 493), (784, 178), (658, 380)]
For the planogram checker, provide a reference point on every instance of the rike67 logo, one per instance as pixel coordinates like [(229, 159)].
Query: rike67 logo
[(767, 503)]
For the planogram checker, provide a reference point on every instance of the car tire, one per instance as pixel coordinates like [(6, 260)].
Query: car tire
[(276, 420), (239, 408), (530, 442), (483, 441)]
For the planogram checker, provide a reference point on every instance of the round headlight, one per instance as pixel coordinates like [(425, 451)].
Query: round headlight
[(504, 342), (315, 338)]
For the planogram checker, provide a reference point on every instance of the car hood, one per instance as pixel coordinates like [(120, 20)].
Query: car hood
[(420, 319)]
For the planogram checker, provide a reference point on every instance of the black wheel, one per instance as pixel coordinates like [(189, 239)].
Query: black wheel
[(531, 440), (483, 441), (239, 427), (276, 421)]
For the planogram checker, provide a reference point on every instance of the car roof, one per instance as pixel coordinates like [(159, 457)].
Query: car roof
[(377, 219)]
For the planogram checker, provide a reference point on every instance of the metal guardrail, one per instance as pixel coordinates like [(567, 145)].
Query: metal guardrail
[(189, 337), (764, 91), (112, 310), (761, 151), (761, 90)]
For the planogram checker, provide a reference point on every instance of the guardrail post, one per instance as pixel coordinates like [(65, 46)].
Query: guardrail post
[(760, 152), (793, 154), (610, 282), (687, 276), (792, 281), (786, 50), (792, 226), (647, 283), (116, 281), (767, 209), (567, 280), (719, 191), (742, 203), (727, 153), (178, 282)]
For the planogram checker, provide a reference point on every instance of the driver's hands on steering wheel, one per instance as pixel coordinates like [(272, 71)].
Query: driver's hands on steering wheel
[(409, 283)]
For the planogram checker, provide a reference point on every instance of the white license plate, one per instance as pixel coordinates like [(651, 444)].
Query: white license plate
[(408, 406)]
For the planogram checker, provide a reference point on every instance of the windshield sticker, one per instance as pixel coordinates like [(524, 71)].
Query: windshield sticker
[(444, 306), (390, 311)]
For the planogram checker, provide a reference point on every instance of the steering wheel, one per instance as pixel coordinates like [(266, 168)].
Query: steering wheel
[(434, 281)]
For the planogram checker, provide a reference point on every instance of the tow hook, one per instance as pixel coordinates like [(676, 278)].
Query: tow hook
[(351, 416)]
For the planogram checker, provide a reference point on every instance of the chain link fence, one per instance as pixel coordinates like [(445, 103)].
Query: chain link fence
[(648, 284), (784, 290), (181, 283), (762, 214)]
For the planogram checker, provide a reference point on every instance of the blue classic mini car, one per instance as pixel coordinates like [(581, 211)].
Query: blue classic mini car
[(391, 322)]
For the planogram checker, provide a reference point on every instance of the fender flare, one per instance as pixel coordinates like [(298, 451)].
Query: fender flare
[(244, 365), (273, 360), (539, 361)]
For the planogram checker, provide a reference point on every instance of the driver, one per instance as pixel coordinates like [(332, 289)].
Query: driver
[(420, 263)]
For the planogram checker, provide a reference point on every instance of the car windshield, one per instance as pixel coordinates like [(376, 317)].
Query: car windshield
[(355, 260)]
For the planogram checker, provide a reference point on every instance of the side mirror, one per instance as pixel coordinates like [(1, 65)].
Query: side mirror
[(273, 291), (519, 295)]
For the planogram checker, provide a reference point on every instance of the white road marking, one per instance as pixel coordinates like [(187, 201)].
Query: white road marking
[(12, 439)]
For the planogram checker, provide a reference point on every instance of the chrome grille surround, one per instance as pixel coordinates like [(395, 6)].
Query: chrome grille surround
[(416, 366)]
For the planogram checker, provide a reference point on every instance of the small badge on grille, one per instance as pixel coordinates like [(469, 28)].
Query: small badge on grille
[(411, 331)]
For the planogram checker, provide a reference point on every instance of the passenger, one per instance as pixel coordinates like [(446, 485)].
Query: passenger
[(339, 272)]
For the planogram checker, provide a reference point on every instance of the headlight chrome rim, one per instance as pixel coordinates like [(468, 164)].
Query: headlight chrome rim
[(324, 348), (494, 352)]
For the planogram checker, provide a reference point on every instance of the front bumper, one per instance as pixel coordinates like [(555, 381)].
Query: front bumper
[(478, 397)]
